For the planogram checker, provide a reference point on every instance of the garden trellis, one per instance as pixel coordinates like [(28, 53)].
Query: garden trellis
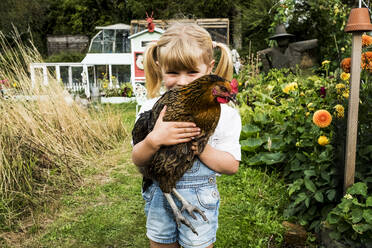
[(358, 22)]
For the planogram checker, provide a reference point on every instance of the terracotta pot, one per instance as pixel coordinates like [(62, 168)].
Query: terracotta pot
[(358, 21)]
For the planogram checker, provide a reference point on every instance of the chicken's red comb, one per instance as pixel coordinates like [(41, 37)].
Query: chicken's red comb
[(234, 86)]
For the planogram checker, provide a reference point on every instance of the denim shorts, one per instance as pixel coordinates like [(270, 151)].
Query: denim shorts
[(197, 186)]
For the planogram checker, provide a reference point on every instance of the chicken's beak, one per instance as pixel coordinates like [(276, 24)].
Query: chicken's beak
[(233, 98)]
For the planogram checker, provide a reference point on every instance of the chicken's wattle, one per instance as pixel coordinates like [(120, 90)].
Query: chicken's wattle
[(222, 100)]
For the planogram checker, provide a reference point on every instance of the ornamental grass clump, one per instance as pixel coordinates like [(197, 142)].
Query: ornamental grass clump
[(46, 138)]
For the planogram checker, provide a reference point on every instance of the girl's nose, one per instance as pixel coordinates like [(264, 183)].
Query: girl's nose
[(183, 80)]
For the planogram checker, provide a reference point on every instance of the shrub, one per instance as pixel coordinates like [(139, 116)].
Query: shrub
[(66, 57)]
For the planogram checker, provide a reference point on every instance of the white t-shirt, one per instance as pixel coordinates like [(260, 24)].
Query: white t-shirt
[(226, 135)]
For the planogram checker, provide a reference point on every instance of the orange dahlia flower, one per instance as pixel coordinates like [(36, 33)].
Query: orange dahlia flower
[(366, 40), (367, 61), (346, 64), (322, 118)]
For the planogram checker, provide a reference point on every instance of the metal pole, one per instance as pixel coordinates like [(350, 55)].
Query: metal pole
[(352, 120)]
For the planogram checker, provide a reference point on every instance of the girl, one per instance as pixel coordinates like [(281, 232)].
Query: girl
[(183, 54)]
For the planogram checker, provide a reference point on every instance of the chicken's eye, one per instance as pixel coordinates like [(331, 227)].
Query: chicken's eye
[(223, 88)]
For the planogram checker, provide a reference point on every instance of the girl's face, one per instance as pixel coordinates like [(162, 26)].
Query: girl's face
[(183, 77)]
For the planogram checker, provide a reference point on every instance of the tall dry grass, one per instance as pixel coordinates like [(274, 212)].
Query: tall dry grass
[(45, 141)]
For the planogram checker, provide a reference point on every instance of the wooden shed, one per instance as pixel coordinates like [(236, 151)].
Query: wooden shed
[(217, 27)]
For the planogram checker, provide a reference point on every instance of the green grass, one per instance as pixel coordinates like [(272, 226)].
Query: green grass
[(104, 215), (251, 208), (107, 209)]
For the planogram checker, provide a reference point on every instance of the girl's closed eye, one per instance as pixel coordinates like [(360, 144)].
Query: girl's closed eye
[(171, 72)]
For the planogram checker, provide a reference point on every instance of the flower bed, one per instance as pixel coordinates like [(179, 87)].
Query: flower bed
[(296, 124)]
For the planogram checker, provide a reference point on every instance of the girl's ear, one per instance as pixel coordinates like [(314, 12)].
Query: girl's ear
[(210, 67)]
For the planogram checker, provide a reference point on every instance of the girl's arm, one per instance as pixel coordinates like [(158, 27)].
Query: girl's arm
[(163, 134), (219, 161)]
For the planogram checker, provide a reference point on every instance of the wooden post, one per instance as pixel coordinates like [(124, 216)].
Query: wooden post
[(32, 71), (110, 75), (45, 75), (70, 77), (58, 73), (352, 119)]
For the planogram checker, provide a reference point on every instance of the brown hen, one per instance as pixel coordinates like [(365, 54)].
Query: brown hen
[(197, 102)]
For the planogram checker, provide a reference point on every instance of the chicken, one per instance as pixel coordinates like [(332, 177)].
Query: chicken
[(197, 102)]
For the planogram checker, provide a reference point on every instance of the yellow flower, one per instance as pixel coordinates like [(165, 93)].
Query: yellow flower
[(340, 110), (345, 76), (307, 113), (105, 85), (322, 118), (340, 86), (323, 140), (346, 94), (290, 87), (298, 143), (302, 94), (14, 85), (342, 49), (310, 106), (325, 62)]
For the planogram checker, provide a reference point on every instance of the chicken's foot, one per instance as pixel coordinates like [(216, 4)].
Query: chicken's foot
[(188, 207), (177, 214)]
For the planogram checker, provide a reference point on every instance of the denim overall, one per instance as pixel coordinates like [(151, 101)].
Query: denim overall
[(197, 186)]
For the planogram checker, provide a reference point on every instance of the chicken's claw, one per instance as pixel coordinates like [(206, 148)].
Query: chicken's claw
[(191, 209)]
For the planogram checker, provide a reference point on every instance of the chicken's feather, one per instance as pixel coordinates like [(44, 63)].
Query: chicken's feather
[(192, 103)]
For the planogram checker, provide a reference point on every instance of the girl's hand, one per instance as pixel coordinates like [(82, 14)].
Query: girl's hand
[(171, 133)]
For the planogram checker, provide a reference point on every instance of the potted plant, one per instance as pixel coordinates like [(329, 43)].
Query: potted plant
[(116, 93)]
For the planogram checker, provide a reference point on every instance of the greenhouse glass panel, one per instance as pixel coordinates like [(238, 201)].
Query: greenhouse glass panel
[(97, 43), (122, 41), (121, 73), (64, 74), (108, 41), (76, 75)]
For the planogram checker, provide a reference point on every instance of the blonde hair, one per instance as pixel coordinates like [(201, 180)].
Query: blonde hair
[(183, 47)]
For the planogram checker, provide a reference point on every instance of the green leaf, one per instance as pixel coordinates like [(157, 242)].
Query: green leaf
[(295, 165), (300, 198), (333, 218), (255, 160), (361, 228), (249, 130), (369, 201), (331, 194), (342, 227), (325, 176), (307, 202), (300, 157), (319, 196), (335, 235), (345, 205), (251, 144), (356, 215), (358, 189), (300, 129), (367, 215), (310, 185), (273, 158), (260, 117), (309, 173)]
